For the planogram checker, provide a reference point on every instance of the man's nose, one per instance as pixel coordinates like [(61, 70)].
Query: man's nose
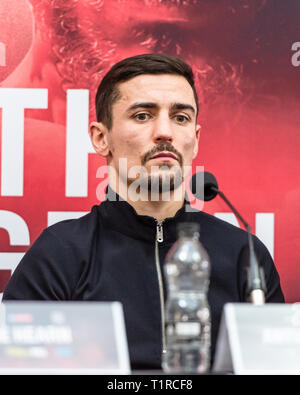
[(162, 129)]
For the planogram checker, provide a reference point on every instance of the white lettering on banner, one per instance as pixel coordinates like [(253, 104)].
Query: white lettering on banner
[(2, 54), (228, 217), (264, 230), (13, 102), (9, 261), (78, 144), (264, 224), (57, 216), (296, 56), (18, 234), (16, 227)]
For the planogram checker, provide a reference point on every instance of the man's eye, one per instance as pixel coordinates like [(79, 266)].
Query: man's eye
[(181, 118), (142, 116)]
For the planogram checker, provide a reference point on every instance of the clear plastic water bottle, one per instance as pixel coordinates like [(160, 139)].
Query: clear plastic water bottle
[(187, 313)]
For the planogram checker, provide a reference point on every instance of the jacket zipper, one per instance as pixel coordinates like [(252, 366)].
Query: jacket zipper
[(160, 239)]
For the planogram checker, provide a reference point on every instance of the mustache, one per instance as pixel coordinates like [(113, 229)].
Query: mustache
[(162, 147)]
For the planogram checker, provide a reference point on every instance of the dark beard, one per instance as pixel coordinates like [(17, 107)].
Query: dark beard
[(157, 187)]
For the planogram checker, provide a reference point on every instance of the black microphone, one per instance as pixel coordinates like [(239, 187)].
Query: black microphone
[(205, 187)]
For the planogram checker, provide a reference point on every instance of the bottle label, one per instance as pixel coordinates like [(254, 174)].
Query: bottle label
[(188, 328)]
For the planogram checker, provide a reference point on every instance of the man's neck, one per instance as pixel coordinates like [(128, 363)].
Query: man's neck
[(160, 210), (155, 206)]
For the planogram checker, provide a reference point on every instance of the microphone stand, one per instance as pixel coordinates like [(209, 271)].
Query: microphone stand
[(256, 286)]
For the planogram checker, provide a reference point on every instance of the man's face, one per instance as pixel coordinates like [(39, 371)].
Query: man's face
[(154, 126)]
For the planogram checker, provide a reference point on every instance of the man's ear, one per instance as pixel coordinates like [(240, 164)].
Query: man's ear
[(98, 135), (196, 146)]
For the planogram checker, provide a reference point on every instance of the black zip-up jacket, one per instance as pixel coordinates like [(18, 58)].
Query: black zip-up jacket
[(109, 255)]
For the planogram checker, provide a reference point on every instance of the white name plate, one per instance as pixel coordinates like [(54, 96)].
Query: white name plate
[(43, 337), (259, 339)]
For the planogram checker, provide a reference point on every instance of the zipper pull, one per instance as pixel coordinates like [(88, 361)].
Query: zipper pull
[(159, 232)]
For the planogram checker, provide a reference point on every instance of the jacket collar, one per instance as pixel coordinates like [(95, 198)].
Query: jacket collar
[(120, 216)]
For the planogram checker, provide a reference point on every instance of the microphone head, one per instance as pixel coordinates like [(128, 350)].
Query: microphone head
[(201, 186)]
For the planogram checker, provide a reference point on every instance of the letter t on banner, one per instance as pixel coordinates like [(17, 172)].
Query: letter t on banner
[(13, 101), (78, 143)]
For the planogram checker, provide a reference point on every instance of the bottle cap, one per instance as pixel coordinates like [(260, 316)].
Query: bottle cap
[(188, 229)]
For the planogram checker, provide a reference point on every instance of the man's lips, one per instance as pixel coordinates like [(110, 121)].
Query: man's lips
[(164, 155)]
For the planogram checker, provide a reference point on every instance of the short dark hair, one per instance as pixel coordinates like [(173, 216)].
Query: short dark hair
[(126, 69)]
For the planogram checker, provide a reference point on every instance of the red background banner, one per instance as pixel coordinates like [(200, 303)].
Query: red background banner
[(246, 59)]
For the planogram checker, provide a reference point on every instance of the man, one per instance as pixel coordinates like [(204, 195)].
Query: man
[(147, 121)]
